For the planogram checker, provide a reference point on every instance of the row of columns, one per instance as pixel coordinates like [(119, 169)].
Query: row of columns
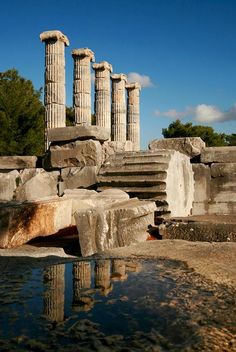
[(104, 273), (111, 109)]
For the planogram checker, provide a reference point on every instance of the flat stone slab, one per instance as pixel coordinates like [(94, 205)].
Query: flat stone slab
[(23, 221), (190, 146), (218, 155), (78, 132), (17, 162)]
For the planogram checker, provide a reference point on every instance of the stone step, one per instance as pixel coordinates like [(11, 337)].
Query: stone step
[(144, 153), (133, 169), (138, 159), (132, 180), (158, 190)]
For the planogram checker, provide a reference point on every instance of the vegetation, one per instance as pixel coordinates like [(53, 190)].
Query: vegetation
[(21, 116), (208, 135)]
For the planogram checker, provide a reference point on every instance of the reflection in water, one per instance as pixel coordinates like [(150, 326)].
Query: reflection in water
[(54, 280), (103, 276), (104, 272), (156, 305)]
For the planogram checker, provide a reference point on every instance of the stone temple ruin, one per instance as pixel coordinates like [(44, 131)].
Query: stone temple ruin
[(93, 179)]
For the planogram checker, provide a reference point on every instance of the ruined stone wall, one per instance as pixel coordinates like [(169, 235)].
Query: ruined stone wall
[(215, 182)]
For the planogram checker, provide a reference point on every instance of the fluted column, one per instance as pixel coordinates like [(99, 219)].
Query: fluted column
[(133, 114), (54, 280), (82, 85), (118, 108), (54, 91), (102, 102)]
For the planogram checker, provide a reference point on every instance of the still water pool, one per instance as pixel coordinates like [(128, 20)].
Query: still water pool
[(113, 305)]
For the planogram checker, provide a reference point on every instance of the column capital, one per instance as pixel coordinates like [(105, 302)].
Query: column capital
[(119, 77), (55, 34), (131, 86), (103, 65), (83, 52)]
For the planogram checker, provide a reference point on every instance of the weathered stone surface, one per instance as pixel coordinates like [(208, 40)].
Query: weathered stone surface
[(79, 177), (133, 114), (55, 94), (111, 147), (8, 184), (78, 132), (82, 85), (21, 222), (223, 169), (118, 108), (223, 182), (218, 155), (40, 185), (118, 225), (78, 153), (103, 94), (202, 182), (190, 146), (17, 162), (165, 176)]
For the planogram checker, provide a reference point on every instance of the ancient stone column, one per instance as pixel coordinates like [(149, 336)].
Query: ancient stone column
[(133, 114), (118, 108), (54, 280), (102, 104), (82, 85), (54, 91)]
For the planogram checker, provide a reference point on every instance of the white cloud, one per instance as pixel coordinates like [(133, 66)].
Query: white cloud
[(172, 113), (143, 80), (201, 113)]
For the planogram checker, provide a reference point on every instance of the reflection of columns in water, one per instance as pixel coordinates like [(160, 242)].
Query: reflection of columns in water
[(54, 279), (81, 277), (133, 266), (118, 270), (103, 276)]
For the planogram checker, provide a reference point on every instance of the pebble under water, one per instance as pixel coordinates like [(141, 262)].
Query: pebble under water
[(114, 305)]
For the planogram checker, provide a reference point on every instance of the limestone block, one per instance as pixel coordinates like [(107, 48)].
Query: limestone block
[(223, 182), (200, 208), (202, 182), (112, 147), (85, 199), (8, 184), (21, 222), (78, 132), (80, 177), (17, 162), (118, 225), (223, 170), (222, 208), (41, 185), (78, 153), (218, 155), (190, 146)]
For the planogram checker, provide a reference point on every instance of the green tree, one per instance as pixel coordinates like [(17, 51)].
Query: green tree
[(208, 135), (231, 139), (70, 117), (21, 116)]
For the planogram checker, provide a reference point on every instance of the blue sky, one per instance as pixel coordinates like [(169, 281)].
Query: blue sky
[(182, 51)]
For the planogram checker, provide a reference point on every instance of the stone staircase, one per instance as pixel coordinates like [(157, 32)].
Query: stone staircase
[(164, 176)]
